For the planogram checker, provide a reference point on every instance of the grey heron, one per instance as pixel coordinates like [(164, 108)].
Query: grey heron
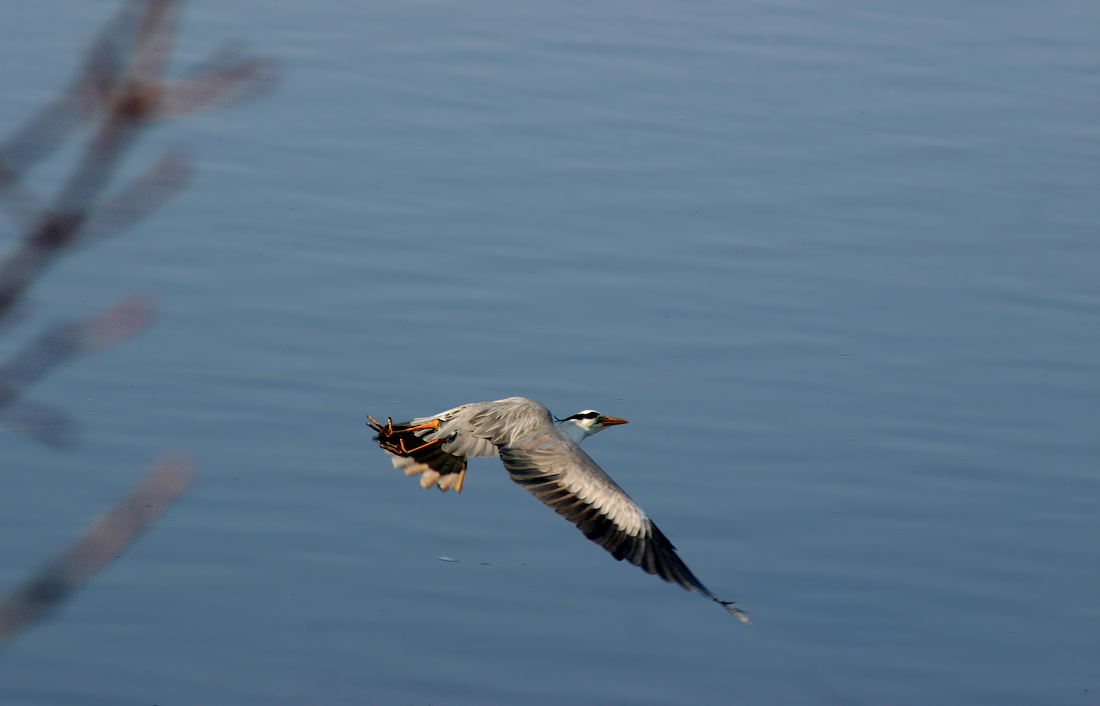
[(544, 458)]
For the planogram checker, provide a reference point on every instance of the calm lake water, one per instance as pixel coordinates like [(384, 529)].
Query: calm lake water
[(838, 265)]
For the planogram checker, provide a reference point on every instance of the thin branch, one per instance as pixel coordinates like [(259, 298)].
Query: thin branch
[(103, 540), (129, 94), (71, 340)]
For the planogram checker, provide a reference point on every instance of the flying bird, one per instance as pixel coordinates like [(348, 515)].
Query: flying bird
[(544, 458)]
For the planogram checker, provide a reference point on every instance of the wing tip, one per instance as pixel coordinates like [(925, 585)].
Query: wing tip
[(742, 615)]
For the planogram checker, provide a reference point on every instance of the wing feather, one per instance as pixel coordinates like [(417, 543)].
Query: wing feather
[(545, 461), (467, 430), (560, 474)]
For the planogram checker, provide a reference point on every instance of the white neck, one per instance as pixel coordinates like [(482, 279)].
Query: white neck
[(574, 431)]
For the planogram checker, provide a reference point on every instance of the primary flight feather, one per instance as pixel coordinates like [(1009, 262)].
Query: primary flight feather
[(544, 458)]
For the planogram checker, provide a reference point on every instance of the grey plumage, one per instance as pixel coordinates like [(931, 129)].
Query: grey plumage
[(545, 459)]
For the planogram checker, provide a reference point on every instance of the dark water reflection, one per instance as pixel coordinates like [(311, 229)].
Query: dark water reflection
[(837, 266)]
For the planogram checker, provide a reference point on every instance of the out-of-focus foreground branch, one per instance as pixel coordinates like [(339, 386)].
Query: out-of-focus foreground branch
[(104, 539), (118, 92)]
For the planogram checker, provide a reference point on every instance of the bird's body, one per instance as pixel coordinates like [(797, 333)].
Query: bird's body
[(545, 459)]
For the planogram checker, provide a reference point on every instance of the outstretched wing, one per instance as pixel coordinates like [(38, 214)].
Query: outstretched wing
[(437, 447), (560, 474), (541, 458)]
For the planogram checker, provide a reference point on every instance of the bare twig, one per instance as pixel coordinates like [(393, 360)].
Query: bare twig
[(107, 536), (47, 425), (71, 340), (119, 91), (120, 88), (128, 95)]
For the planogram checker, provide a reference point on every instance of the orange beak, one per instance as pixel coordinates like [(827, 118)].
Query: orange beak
[(612, 421)]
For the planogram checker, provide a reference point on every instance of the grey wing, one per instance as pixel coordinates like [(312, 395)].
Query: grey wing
[(461, 438), (477, 429), (437, 447), (557, 472), (434, 447)]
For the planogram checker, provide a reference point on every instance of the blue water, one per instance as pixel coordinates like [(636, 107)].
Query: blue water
[(837, 265)]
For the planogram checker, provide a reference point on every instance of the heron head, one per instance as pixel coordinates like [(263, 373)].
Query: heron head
[(586, 423)]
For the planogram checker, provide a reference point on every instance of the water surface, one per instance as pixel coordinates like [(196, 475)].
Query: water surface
[(836, 265)]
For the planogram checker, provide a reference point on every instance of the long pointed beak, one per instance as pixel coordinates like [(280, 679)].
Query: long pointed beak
[(612, 421)]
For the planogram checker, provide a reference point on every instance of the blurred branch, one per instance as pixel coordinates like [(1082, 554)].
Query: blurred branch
[(68, 341), (127, 95), (47, 425), (56, 346), (118, 92), (107, 536), (50, 127)]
